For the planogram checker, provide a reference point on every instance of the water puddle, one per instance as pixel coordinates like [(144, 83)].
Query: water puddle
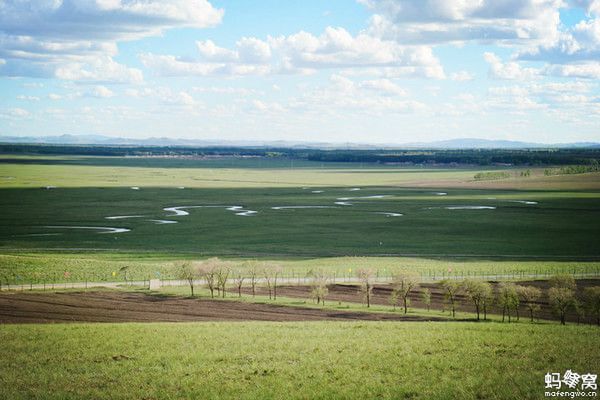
[(294, 207), (470, 208), (389, 214), (102, 229)]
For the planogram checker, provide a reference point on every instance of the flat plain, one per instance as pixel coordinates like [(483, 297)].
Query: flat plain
[(99, 219)]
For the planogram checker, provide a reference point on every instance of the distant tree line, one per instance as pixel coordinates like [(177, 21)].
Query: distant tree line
[(470, 156), (586, 157)]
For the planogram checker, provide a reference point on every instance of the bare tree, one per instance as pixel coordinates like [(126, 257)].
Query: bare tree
[(222, 272), (426, 297), (125, 271), (271, 273), (365, 276), (479, 292), (508, 298), (403, 284), (208, 271), (319, 288), (253, 273), (451, 290), (276, 273), (188, 272), (530, 296), (239, 281), (591, 297)]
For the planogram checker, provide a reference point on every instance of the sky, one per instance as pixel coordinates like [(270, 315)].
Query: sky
[(361, 71)]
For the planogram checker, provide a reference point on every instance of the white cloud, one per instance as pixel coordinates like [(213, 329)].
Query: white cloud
[(54, 96), (100, 69), (179, 99), (383, 86), (574, 54), (510, 70), (461, 76), (54, 38), (14, 113), (300, 53), (590, 70), (164, 96), (28, 98), (343, 95), (267, 107), (226, 90), (101, 92), (592, 7), (102, 19), (553, 96), (443, 21)]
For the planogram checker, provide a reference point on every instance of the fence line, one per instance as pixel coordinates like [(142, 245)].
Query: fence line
[(294, 277)]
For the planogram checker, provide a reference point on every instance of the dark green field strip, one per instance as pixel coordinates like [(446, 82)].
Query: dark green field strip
[(561, 226)]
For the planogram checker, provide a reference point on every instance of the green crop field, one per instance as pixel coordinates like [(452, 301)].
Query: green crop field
[(321, 360)]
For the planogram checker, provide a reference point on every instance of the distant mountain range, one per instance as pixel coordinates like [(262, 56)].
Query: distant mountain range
[(164, 141)]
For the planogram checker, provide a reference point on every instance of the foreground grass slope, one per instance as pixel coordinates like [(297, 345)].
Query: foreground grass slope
[(353, 360)]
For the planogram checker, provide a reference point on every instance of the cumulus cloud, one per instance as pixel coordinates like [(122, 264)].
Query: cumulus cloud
[(101, 92), (442, 21), (383, 86), (574, 54), (589, 70), (76, 39), (302, 53), (509, 71), (577, 96), (461, 76), (592, 7), (343, 94)]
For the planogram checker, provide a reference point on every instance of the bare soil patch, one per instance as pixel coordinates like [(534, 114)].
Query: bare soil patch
[(138, 307)]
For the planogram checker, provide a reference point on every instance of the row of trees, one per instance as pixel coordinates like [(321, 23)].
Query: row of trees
[(481, 294), (217, 273), (508, 297)]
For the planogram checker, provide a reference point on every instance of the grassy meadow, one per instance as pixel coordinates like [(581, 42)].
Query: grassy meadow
[(320, 360)]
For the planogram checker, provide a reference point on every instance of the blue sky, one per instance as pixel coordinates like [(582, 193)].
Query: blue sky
[(377, 71)]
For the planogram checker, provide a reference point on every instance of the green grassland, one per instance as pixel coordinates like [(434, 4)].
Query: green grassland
[(37, 175), (252, 360), (320, 360), (562, 225), (18, 268), (64, 171)]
